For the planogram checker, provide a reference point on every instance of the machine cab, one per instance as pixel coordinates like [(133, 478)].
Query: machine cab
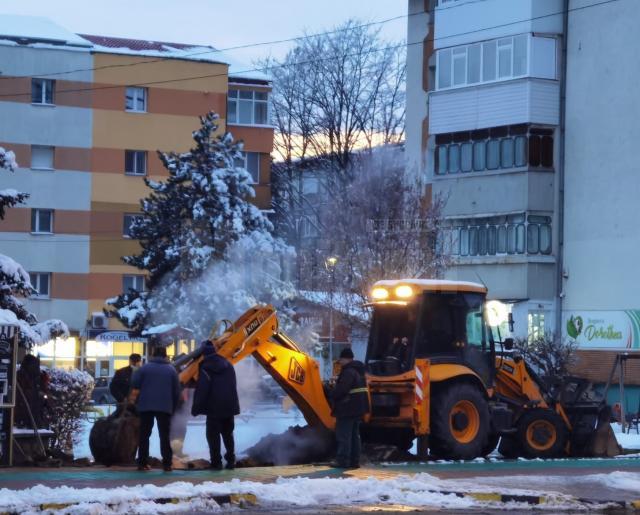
[(442, 321)]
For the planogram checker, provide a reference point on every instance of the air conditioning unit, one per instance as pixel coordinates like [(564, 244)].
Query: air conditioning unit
[(99, 321)]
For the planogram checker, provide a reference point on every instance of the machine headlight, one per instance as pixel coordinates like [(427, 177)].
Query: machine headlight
[(497, 312), (379, 293), (404, 291)]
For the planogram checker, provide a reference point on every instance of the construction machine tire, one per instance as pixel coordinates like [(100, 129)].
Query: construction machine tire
[(541, 434), (459, 422)]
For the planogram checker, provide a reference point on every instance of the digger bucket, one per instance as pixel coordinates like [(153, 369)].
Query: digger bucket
[(603, 442)]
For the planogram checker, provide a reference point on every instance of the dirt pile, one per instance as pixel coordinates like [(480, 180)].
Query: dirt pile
[(296, 446)]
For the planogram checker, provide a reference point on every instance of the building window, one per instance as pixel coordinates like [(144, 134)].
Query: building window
[(135, 162), (136, 99), (248, 107), (128, 220), (42, 221), (41, 157), (250, 161), (42, 91), (132, 282), (514, 146), (308, 227), (535, 325), (502, 59), (510, 234), (41, 282), (310, 186)]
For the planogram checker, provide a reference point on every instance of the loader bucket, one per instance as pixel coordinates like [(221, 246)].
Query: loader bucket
[(603, 442)]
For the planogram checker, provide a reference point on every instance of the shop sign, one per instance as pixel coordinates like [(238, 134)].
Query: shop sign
[(618, 330), (118, 336)]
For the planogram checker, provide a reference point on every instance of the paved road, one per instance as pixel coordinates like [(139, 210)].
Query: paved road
[(568, 476)]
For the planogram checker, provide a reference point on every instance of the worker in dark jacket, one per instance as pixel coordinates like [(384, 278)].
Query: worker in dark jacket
[(216, 397), (121, 383), (350, 402), (155, 388)]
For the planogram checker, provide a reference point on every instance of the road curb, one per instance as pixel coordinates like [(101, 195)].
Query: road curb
[(241, 500)]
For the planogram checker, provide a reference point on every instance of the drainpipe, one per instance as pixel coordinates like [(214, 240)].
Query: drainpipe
[(561, 168)]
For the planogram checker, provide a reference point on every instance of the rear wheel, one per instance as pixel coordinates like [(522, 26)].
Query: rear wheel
[(541, 434), (459, 422)]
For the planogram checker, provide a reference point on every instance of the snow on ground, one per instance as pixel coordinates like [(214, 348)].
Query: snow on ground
[(627, 440), (420, 490), (251, 426)]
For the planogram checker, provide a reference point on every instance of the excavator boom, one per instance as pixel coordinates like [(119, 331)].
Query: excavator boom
[(256, 334)]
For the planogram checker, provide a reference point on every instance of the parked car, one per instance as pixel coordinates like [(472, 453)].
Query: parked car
[(101, 394)]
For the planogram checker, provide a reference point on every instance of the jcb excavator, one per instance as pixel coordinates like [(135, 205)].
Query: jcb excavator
[(433, 374)]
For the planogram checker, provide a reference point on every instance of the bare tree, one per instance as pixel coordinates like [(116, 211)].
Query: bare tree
[(550, 355), (379, 227), (337, 92)]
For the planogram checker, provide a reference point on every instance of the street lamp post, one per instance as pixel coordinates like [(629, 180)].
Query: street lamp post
[(330, 264)]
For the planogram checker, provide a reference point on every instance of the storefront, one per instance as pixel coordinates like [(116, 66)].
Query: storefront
[(101, 353)]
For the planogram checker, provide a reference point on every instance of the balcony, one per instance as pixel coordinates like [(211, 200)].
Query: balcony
[(526, 100)]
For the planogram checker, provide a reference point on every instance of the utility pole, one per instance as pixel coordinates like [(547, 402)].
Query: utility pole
[(330, 264)]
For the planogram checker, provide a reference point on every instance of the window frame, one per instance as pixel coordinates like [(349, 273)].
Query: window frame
[(126, 226), (500, 235), (53, 157), (489, 54), (145, 98), (43, 93), (35, 220), (134, 160), (234, 96), (136, 278), (245, 157), (37, 285)]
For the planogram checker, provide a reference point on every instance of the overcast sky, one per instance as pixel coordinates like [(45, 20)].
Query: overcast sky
[(218, 23)]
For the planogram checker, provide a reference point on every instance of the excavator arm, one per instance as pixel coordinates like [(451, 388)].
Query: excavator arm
[(256, 334)]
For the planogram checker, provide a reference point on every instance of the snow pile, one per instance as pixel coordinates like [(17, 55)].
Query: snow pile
[(69, 391), (421, 490)]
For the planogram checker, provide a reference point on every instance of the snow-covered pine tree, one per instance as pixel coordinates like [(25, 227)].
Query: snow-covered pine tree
[(208, 252), (14, 280)]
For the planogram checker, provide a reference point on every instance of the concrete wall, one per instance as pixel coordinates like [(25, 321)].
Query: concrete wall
[(417, 97), (602, 184), (466, 21)]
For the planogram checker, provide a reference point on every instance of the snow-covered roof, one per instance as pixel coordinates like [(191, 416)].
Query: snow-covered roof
[(37, 29), (433, 284), (164, 49), (348, 304)]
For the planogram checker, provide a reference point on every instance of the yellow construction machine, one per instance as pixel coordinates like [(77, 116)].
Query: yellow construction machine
[(433, 374)]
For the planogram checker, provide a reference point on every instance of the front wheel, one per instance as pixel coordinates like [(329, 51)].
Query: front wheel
[(459, 422), (541, 434)]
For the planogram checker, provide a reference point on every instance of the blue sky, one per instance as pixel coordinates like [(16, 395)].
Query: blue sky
[(219, 23)]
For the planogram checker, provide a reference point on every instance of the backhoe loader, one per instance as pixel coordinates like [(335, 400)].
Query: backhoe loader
[(433, 374)]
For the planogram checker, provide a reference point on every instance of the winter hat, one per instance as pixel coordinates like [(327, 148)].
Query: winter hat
[(346, 353), (208, 348)]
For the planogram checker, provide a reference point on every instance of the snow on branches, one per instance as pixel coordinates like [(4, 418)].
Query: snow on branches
[(9, 197), (209, 252), (14, 280)]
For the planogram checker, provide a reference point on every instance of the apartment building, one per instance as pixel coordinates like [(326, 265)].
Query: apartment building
[(528, 134), (85, 115)]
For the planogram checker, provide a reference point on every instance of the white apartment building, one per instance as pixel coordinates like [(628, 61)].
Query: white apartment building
[(531, 119)]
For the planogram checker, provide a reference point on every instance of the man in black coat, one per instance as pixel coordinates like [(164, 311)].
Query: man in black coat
[(216, 397), (350, 402), (121, 382)]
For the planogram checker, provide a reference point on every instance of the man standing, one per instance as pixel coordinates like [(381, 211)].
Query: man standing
[(156, 388), (350, 401), (216, 397), (121, 382)]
